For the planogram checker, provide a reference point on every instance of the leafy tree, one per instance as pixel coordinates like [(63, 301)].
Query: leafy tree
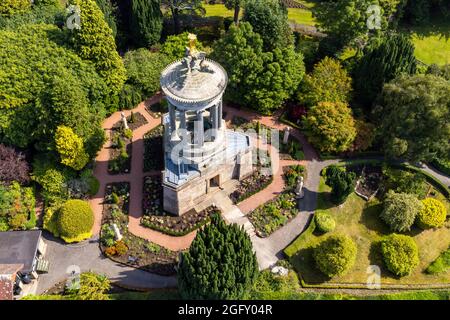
[(365, 135), (17, 206), (403, 181), (70, 147), (335, 255), (342, 183), (94, 41), (75, 221), (11, 7), (236, 6), (144, 70), (400, 211), (220, 263), (415, 117), (177, 7), (440, 71), (269, 19), (432, 214), (13, 166), (257, 79), (381, 64), (175, 46), (328, 82), (345, 21), (400, 254), (92, 287), (330, 126), (33, 104), (146, 21)]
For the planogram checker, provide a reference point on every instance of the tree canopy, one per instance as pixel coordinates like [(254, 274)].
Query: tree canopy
[(43, 85), (146, 21), (415, 117), (257, 79), (330, 126), (220, 263)]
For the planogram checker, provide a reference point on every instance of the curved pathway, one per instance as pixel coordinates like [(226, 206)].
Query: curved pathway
[(135, 178), (269, 249)]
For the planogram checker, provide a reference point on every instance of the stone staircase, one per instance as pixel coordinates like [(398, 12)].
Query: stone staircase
[(232, 214)]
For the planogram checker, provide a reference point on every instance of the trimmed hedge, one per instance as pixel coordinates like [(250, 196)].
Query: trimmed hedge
[(335, 255), (75, 221), (324, 221), (400, 254), (432, 214)]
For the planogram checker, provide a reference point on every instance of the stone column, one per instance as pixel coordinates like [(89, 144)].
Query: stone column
[(182, 119), (199, 129), (172, 118), (219, 115)]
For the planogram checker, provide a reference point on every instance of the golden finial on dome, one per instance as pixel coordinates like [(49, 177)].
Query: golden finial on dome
[(192, 41)]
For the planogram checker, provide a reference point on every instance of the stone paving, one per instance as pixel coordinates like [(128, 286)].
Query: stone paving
[(268, 250)]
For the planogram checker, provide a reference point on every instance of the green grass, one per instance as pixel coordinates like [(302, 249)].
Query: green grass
[(218, 10), (432, 49), (300, 16), (441, 264), (360, 220)]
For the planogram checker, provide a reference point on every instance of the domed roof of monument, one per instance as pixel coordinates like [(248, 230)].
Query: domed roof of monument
[(193, 79)]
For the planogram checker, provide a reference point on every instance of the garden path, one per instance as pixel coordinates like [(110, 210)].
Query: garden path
[(269, 249)]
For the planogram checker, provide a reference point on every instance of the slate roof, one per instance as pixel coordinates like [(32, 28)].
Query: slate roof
[(19, 247)]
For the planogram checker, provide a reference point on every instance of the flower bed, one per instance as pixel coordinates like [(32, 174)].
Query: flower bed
[(157, 219), (158, 108), (136, 120), (154, 153), (251, 185), (180, 225), (274, 214), (131, 250), (120, 151), (257, 181)]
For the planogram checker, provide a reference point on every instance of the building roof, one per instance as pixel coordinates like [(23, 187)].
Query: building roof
[(7, 278), (19, 247), (193, 81)]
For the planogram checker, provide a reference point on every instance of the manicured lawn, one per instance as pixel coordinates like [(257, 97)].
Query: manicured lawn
[(360, 220), (432, 49), (300, 16), (218, 10)]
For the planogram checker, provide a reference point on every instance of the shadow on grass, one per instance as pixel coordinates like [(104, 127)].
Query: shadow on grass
[(370, 218), (305, 265), (323, 201)]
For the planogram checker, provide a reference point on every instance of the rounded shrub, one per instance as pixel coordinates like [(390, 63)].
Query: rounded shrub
[(75, 221), (400, 211), (324, 222), (432, 214), (400, 254), (335, 255)]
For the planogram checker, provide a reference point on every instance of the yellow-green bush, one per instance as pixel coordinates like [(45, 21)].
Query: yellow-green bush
[(335, 255), (75, 221), (400, 254), (432, 214), (10, 7)]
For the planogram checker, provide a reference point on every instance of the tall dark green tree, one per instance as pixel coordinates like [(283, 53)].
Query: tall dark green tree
[(109, 13), (235, 5), (220, 263), (414, 117), (269, 19), (146, 22), (381, 64)]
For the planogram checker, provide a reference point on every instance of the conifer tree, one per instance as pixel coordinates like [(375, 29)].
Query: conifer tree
[(220, 263), (146, 22), (395, 55)]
